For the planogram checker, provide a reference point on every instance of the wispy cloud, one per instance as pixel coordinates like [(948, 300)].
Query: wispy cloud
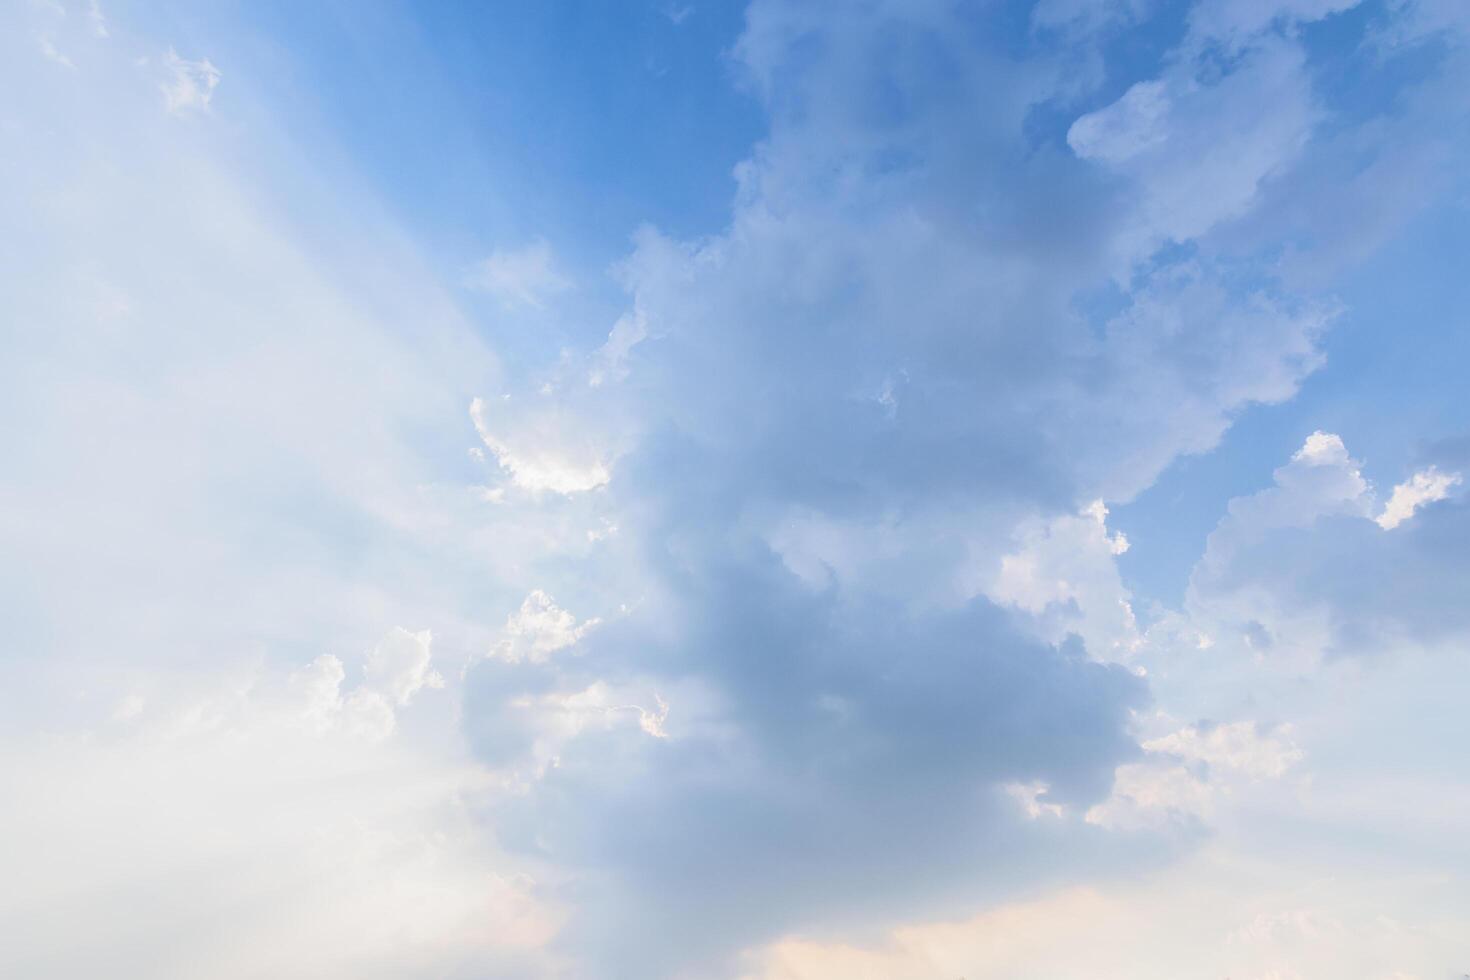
[(191, 84), (526, 277)]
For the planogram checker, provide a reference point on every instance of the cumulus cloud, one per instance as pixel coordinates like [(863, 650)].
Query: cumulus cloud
[(549, 453), (1064, 573), (860, 502), (809, 738), (1422, 488), (1238, 747), (399, 665), (1154, 796), (1187, 774), (862, 618), (1251, 896), (1305, 569), (394, 671), (862, 510), (540, 628)]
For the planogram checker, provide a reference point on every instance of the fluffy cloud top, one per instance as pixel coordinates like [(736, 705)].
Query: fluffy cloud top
[(1424, 487), (1305, 569)]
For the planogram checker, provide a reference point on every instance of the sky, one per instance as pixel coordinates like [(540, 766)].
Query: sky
[(894, 489)]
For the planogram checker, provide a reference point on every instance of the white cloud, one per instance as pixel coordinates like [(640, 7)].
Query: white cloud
[(547, 456), (526, 276), (1153, 796), (610, 362), (538, 629), (1303, 570), (318, 686), (191, 85), (1168, 786), (1239, 747), (97, 19), (1128, 127), (393, 672), (1321, 480), (1424, 487), (1197, 152), (1030, 798), (1322, 449), (1063, 573), (598, 712), (398, 667)]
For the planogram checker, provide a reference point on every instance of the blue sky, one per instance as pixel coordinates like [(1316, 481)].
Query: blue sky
[(768, 491)]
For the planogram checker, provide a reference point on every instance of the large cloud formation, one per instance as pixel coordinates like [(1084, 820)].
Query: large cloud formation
[(928, 324), (789, 612)]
